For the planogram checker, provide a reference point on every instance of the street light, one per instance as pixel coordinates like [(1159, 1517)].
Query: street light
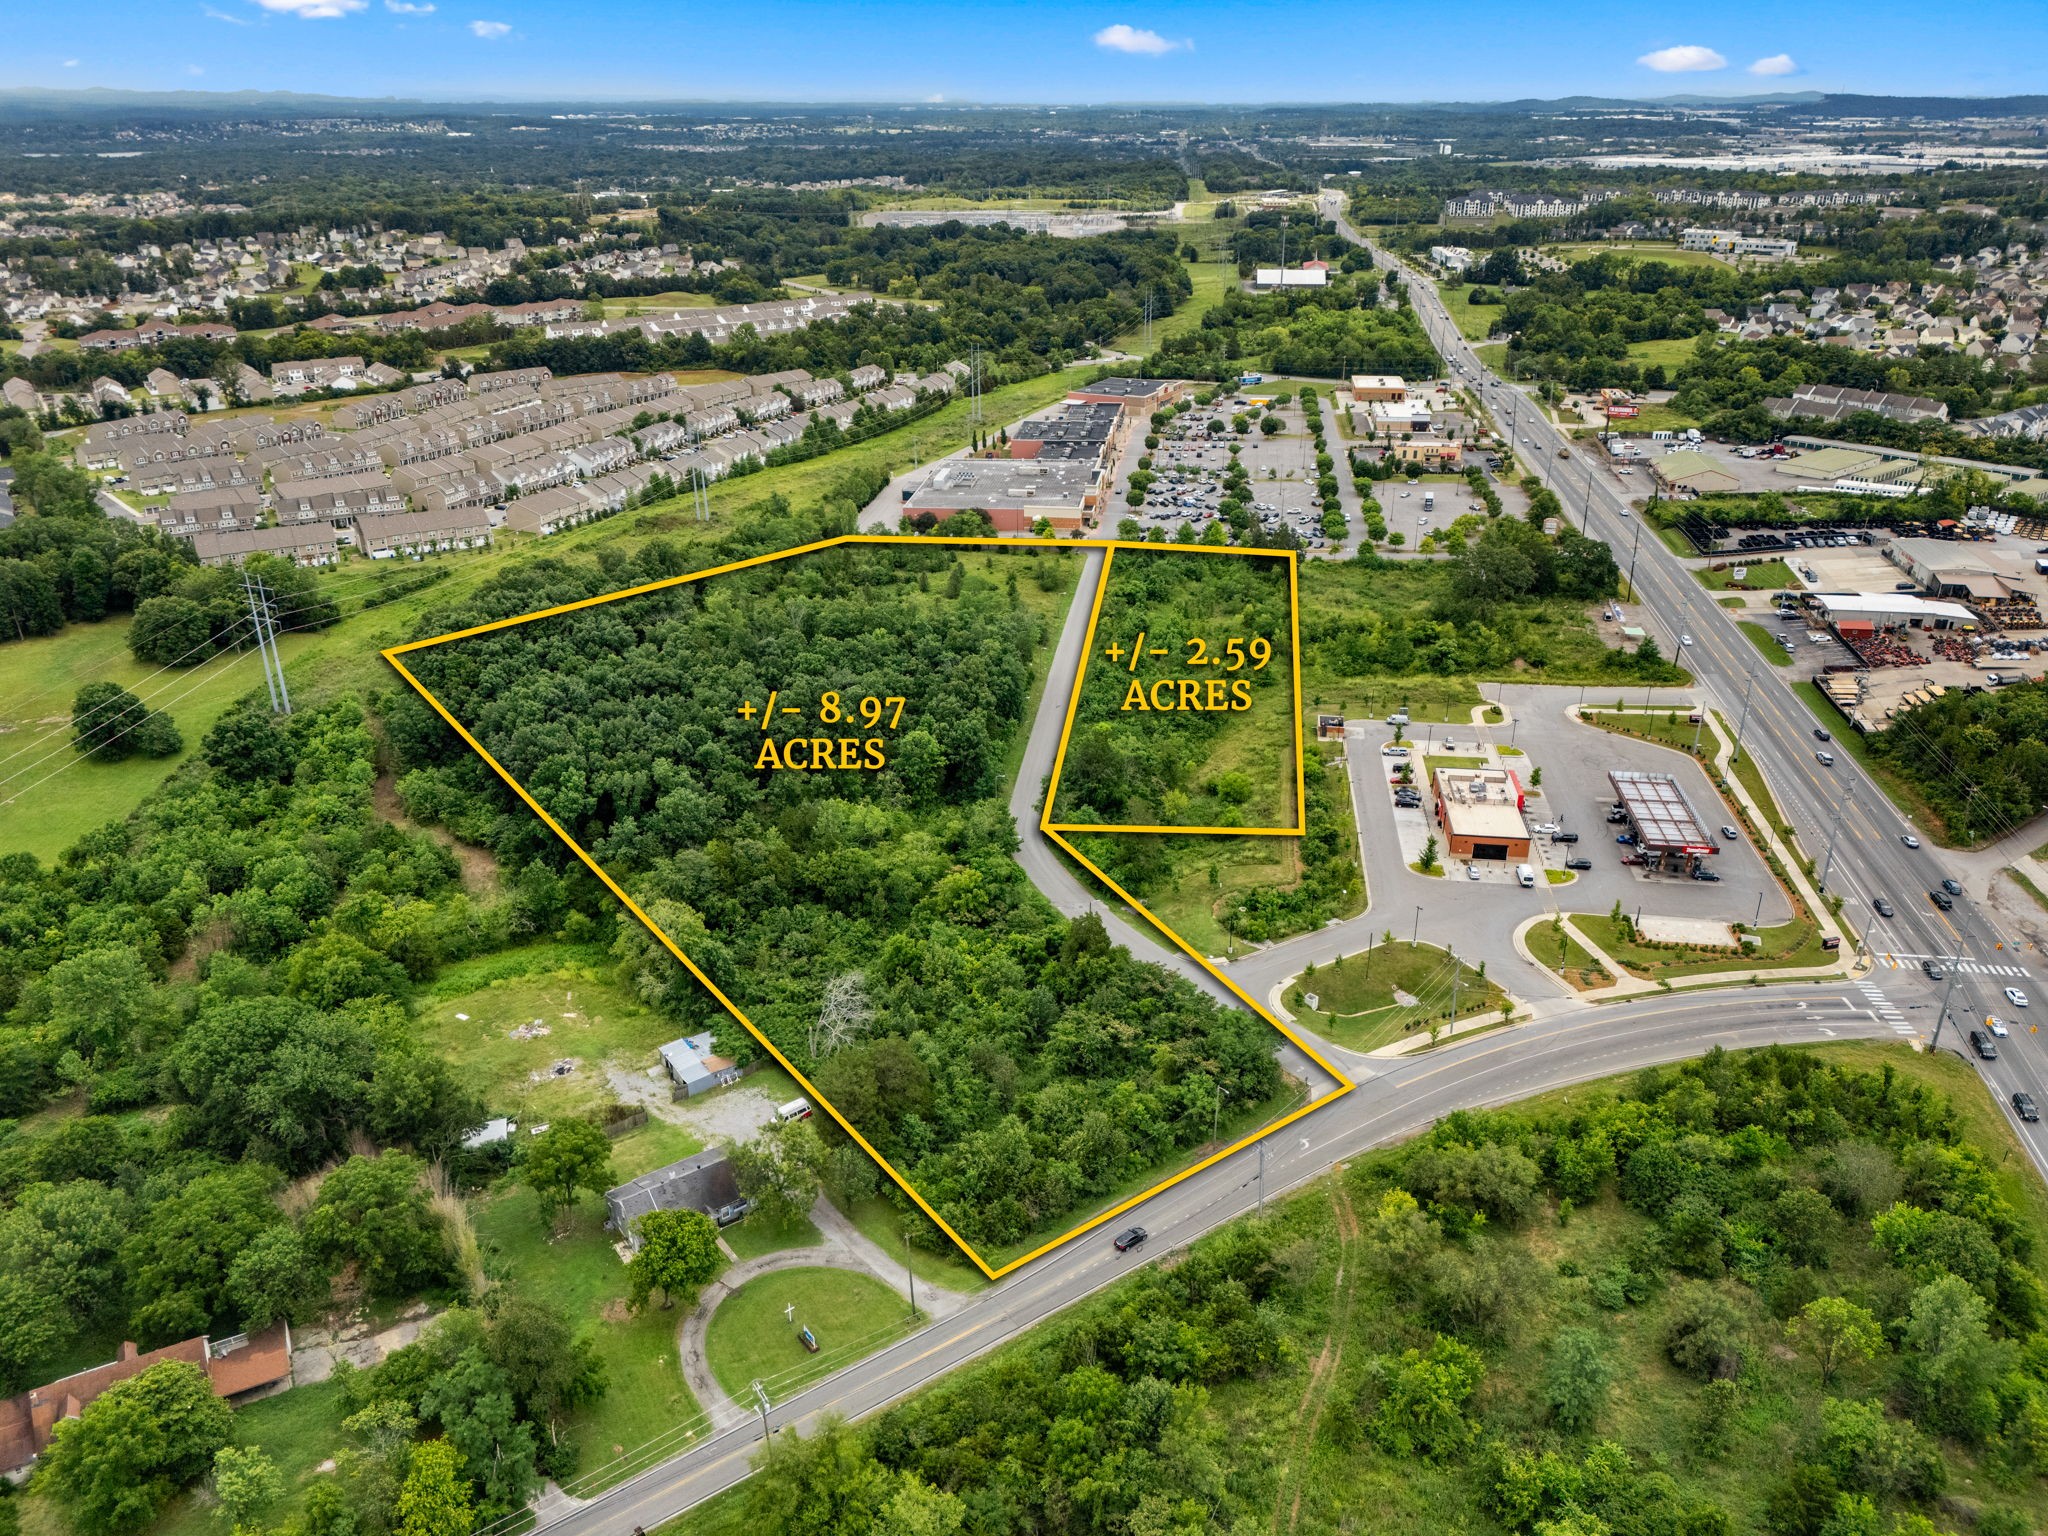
[(1416, 937)]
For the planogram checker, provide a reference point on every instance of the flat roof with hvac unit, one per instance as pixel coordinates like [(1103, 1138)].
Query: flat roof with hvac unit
[(1663, 819)]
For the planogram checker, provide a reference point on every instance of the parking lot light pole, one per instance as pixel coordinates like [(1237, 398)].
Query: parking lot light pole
[(1416, 937), (1735, 756)]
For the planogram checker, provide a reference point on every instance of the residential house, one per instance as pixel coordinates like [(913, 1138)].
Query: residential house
[(704, 1182), (311, 544), (383, 536)]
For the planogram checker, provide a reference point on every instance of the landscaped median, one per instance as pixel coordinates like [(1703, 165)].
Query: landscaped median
[(1390, 992)]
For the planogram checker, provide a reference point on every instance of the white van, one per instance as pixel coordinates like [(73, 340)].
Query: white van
[(1524, 875), (795, 1109)]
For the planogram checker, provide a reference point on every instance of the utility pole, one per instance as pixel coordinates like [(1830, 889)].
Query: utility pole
[(265, 625), (1948, 992), (1416, 937), (1828, 865), (761, 1398), (1735, 756), (1262, 1177), (1457, 970), (910, 1275), (1634, 545)]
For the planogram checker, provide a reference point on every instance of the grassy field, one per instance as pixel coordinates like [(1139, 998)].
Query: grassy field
[(1430, 764), (754, 1236), (1764, 576), (1492, 355), (1766, 642), (1672, 352), (882, 1224), (1475, 322), (1662, 418), (469, 1013), (298, 1430), (50, 794), (751, 1338), (1356, 1006), (647, 303), (1211, 279), (1641, 250), (1668, 727)]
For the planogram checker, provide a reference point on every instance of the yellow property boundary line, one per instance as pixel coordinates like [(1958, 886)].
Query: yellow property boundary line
[(393, 654), (1052, 788)]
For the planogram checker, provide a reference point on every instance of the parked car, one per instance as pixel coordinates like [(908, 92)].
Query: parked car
[(1625, 838), (1884, 908), (1129, 1238), (1985, 1047), (1545, 827), (1564, 837), (2023, 1106), (1910, 840), (2016, 997), (1705, 874), (1578, 863), (728, 1214), (1472, 870)]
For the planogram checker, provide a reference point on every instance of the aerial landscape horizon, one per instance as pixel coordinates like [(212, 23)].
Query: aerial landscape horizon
[(1004, 773)]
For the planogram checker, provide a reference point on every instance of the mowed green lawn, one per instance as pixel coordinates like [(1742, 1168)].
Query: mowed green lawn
[(1671, 352), (753, 1337), (1641, 250)]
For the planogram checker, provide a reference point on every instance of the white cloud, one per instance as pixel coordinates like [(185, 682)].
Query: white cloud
[(314, 10), (490, 31), (1776, 64), (194, 69), (405, 9), (71, 63), (1685, 59), (213, 15), (1123, 39)]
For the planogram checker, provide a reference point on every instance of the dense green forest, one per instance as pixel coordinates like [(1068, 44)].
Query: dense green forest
[(1321, 333), (1980, 759), (1226, 761), (873, 924), (1790, 1292)]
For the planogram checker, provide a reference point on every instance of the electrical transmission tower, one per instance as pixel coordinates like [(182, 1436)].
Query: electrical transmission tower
[(264, 623)]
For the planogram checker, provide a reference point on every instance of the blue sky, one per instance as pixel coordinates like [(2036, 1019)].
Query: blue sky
[(1002, 50)]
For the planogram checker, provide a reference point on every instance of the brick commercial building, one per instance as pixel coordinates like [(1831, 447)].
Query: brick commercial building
[(1480, 811)]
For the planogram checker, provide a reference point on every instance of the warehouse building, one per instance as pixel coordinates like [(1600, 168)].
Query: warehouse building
[(1480, 811), (1014, 493), (1864, 612)]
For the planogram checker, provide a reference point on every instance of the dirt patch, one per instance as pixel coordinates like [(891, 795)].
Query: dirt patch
[(206, 942), (479, 869)]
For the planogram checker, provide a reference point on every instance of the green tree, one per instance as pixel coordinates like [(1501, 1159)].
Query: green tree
[(171, 631), (678, 1255), (1575, 1378), (115, 1466), (1422, 1399), (435, 1500), (247, 1483), (375, 1212), (549, 1370), (1703, 1332), (1835, 1331), (275, 1278), (108, 723), (178, 1260), (1950, 1360), (571, 1154), (472, 1399), (779, 1171)]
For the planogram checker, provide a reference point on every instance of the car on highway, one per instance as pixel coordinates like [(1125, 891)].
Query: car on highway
[(1825, 759), (1996, 1025), (1953, 887), (1985, 1047), (1885, 908), (1685, 639), (2023, 1106), (1730, 833), (1933, 971), (2016, 997), (1941, 899), (1129, 1238), (1910, 840), (1819, 732)]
